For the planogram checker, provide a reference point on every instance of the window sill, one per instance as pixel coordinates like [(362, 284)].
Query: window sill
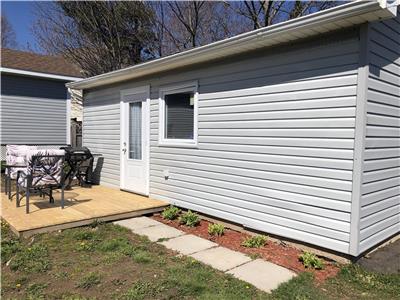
[(192, 145)]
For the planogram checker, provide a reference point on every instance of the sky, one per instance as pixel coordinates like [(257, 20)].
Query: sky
[(20, 15)]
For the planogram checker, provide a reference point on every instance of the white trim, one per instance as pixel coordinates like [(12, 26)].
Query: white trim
[(146, 113), (359, 141), (39, 74), (68, 141), (343, 16), (172, 89)]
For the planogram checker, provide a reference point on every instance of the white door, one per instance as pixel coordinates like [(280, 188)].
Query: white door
[(135, 128)]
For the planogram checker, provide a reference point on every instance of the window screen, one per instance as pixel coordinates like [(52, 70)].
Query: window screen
[(179, 114)]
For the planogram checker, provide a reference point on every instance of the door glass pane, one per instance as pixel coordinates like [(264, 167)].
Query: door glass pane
[(135, 130)]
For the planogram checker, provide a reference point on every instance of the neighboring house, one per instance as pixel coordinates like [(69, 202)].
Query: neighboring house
[(35, 103), (292, 130)]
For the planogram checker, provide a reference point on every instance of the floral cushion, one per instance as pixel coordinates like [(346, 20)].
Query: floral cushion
[(46, 170), (15, 154)]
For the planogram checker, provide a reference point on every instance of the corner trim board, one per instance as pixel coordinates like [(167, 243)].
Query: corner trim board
[(359, 140)]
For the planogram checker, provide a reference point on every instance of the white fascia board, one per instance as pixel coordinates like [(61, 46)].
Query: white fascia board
[(355, 13), (38, 74)]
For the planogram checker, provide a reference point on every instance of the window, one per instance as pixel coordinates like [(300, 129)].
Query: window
[(178, 116), (135, 130)]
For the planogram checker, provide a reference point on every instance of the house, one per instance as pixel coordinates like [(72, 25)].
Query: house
[(35, 103), (292, 130)]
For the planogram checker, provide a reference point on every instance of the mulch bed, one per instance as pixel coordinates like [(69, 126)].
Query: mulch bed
[(278, 253)]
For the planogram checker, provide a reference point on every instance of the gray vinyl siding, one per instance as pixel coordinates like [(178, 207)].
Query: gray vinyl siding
[(380, 201), (26, 120), (101, 131), (33, 111), (275, 139)]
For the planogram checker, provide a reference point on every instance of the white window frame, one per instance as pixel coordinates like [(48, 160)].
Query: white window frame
[(174, 89)]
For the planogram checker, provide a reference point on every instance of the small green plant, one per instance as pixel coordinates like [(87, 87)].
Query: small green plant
[(88, 281), (118, 245), (85, 235), (216, 229), (85, 246), (9, 247), (254, 255), (190, 219), (34, 259), (310, 260), (141, 256), (35, 291), (256, 241), (96, 223), (170, 213)]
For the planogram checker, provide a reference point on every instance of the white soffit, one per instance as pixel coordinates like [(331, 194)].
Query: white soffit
[(343, 16)]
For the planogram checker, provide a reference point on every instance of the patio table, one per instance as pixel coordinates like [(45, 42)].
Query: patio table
[(7, 182)]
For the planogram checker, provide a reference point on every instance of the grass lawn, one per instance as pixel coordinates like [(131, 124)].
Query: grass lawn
[(105, 261)]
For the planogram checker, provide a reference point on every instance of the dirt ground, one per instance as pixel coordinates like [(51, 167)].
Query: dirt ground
[(385, 260)]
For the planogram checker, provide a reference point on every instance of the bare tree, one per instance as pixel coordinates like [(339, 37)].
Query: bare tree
[(264, 13), (99, 36), (8, 38), (182, 25)]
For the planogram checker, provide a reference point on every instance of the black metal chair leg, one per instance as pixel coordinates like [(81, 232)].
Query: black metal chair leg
[(27, 200), (9, 187), (28, 191), (6, 185), (51, 196), (62, 197), (17, 195)]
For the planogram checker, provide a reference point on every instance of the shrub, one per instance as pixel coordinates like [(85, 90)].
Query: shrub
[(256, 241), (190, 219), (310, 260), (216, 229), (170, 213)]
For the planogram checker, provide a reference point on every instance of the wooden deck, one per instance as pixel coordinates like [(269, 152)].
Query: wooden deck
[(82, 207)]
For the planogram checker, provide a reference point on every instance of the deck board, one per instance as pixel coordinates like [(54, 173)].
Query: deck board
[(82, 206)]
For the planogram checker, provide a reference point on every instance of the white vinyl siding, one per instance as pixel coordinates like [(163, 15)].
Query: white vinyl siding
[(380, 202), (275, 139)]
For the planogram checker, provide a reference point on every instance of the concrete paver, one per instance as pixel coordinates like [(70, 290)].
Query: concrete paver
[(188, 244), (137, 223), (221, 258), (155, 233), (263, 275)]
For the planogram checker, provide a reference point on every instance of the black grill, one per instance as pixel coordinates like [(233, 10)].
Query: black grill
[(80, 161)]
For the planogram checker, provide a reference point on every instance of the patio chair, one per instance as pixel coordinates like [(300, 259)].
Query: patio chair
[(15, 155), (44, 172)]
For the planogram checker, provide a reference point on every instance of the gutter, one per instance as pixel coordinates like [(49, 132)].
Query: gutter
[(350, 14)]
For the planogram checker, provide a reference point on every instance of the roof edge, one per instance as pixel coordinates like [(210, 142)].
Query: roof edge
[(38, 74), (309, 25)]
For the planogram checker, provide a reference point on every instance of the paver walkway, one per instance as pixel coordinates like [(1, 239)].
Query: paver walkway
[(264, 275)]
